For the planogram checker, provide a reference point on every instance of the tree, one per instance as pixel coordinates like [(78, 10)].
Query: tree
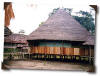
[(54, 11), (41, 23), (87, 20), (68, 10)]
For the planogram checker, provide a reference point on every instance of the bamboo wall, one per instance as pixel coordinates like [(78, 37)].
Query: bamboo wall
[(61, 50)]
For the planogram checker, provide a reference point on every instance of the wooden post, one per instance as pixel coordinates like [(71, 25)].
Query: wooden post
[(23, 55), (90, 54), (29, 56)]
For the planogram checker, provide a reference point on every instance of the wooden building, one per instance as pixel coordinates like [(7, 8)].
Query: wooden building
[(16, 43), (60, 36), (89, 47), (7, 31)]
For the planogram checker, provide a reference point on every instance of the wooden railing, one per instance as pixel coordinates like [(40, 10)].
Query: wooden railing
[(15, 55)]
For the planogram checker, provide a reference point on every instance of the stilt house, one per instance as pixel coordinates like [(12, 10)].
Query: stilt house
[(15, 43), (60, 35)]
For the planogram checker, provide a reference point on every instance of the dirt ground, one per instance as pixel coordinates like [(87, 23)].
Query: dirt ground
[(47, 65)]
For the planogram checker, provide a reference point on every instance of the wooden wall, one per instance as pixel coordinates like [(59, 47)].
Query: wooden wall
[(61, 50)]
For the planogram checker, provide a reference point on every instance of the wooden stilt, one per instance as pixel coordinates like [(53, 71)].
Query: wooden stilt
[(23, 55), (37, 56), (90, 54), (29, 56), (64, 57)]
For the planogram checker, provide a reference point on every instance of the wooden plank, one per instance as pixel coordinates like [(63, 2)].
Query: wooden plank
[(82, 52), (68, 51), (56, 50), (31, 49), (86, 51), (51, 50), (47, 50), (65, 51), (76, 51), (71, 51), (92, 52), (36, 49), (42, 50), (62, 50)]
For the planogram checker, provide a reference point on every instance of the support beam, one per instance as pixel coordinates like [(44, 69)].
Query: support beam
[(90, 54)]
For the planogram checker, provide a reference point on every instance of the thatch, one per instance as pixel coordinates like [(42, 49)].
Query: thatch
[(7, 31), (8, 13), (16, 38), (60, 26), (16, 41), (90, 40), (9, 46)]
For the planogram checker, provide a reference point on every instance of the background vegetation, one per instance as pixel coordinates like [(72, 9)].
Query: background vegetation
[(83, 17)]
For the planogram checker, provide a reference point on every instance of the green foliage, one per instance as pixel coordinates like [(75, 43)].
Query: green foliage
[(68, 10), (8, 50), (41, 23), (86, 20), (54, 11)]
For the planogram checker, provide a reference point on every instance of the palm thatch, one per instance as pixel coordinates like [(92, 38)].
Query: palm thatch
[(16, 38), (60, 26), (9, 46), (18, 41), (90, 40), (7, 31)]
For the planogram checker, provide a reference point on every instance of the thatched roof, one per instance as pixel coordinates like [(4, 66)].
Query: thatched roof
[(60, 26), (7, 31), (9, 46), (16, 38), (90, 40)]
